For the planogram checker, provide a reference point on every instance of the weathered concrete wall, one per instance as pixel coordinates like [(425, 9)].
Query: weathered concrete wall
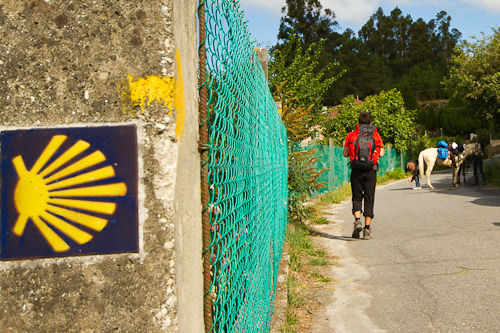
[(80, 63), (188, 226)]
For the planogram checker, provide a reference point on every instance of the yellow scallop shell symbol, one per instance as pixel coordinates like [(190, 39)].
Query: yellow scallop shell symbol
[(41, 195)]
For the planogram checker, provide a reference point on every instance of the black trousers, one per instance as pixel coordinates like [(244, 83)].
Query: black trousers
[(363, 184)]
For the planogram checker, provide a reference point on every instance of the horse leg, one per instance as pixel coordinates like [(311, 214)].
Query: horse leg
[(455, 175), (428, 175)]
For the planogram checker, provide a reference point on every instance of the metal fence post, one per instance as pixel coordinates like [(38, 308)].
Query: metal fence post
[(331, 174)]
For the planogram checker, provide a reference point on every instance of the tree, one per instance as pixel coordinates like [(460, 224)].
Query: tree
[(344, 121), (401, 26), (411, 102), (365, 73), (395, 124), (475, 74), (431, 119), (390, 52), (420, 48), (302, 78), (444, 39), (304, 18)]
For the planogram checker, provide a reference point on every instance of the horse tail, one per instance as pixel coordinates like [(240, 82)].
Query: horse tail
[(421, 164)]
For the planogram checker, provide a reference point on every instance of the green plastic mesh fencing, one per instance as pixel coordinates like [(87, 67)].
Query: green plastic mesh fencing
[(247, 170), (332, 158)]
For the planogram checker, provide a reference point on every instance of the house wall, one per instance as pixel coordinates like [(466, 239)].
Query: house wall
[(88, 64)]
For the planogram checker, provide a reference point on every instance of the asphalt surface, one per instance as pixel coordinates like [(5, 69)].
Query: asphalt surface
[(433, 264)]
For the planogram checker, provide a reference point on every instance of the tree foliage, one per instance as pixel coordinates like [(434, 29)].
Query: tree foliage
[(395, 124), (307, 20), (301, 78), (392, 51), (475, 74)]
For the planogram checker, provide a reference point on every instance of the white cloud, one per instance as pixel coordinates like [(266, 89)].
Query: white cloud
[(351, 12), (493, 5)]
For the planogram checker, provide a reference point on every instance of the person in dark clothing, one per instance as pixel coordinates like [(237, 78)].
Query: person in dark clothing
[(363, 181), (412, 166), (477, 161)]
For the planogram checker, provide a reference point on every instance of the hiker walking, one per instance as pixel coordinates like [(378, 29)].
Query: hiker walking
[(363, 146)]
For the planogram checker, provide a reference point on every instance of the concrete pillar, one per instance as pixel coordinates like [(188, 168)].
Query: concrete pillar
[(188, 226), (262, 56)]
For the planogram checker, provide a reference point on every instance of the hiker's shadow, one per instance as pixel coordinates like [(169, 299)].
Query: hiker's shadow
[(325, 235)]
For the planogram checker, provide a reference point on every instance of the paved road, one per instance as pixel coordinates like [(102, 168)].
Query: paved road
[(433, 264)]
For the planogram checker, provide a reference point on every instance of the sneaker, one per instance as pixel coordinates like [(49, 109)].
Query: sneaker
[(417, 188), (367, 234), (357, 229), (474, 183), (484, 183)]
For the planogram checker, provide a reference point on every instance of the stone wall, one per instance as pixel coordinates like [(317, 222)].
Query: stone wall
[(66, 64)]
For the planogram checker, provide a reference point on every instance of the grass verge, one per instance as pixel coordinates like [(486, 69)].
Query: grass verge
[(306, 281), (335, 197), (492, 172), (390, 176)]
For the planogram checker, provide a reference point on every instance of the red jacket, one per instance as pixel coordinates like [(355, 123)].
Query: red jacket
[(353, 136)]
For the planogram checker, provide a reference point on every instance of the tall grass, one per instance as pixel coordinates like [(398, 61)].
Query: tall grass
[(390, 175), (492, 172), (335, 197)]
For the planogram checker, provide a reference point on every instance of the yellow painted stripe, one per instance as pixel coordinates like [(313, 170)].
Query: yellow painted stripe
[(77, 148), (111, 190), (179, 99), (79, 236), (57, 243), (51, 148), (99, 174), (89, 221), (91, 160), (91, 206)]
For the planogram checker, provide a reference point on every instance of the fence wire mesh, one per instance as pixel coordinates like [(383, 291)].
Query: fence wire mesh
[(247, 176), (332, 158)]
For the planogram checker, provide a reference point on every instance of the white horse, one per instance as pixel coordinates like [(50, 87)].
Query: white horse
[(430, 158)]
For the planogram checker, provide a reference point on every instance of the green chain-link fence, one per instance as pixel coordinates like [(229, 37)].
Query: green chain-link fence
[(247, 176), (331, 157)]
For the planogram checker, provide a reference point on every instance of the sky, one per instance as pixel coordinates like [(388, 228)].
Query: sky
[(470, 17)]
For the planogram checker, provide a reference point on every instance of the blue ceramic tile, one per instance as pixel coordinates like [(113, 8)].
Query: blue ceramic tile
[(69, 191)]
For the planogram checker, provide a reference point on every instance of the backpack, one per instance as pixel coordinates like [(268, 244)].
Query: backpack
[(443, 153), (364, 149), (442, 144), (478, 152)]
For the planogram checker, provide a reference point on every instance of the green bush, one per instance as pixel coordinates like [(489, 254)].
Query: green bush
[(492, 172)]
